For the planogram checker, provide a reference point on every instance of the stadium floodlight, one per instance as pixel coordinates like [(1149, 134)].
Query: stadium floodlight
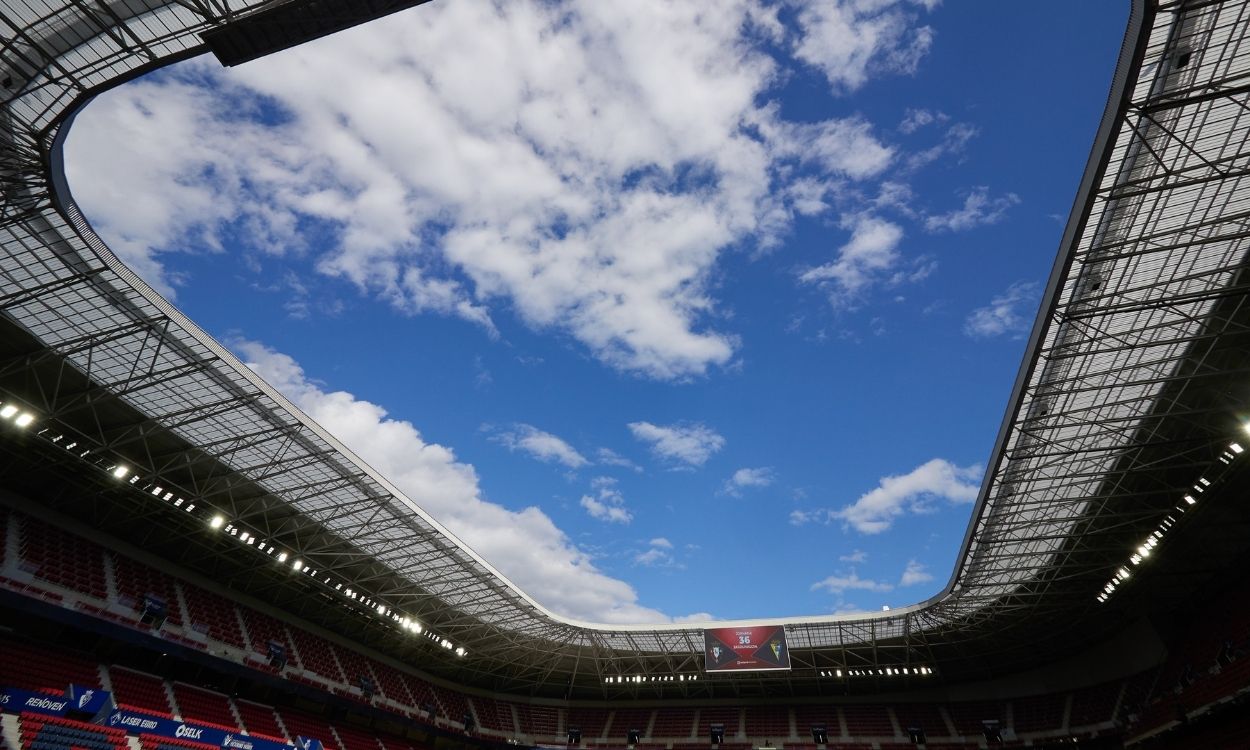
[(1235, 448), (24, 419), (217, 522), (7, 411), (120, 471), (298, 565), (281, 557)]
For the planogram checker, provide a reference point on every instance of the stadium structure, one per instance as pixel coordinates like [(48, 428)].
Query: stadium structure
[(175, 534)]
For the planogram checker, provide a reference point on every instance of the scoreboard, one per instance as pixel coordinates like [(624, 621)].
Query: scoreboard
[(746, 649)]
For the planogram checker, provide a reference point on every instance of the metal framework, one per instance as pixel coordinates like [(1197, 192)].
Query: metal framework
[(1129, 387)]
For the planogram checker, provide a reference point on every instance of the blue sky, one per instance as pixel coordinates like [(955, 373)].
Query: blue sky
[(668, 310)]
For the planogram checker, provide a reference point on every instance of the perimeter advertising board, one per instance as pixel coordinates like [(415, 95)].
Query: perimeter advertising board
[(746, 649)]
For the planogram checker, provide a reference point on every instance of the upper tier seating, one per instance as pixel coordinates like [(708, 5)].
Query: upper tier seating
[(677, 723), (495, 715), (968, 717), (1037, 713), (591, 721), (538, 721), (212, 615), (317, 656), (61, 559), (135, 580), (769, 722), (868, 721), (924, 715)]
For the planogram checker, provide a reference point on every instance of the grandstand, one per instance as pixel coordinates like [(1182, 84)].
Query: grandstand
[(176, 534)]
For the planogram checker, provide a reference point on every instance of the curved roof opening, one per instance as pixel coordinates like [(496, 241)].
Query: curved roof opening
[(1126, 401)]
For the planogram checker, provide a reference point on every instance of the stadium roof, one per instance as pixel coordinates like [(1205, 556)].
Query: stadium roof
[(1127, 395)]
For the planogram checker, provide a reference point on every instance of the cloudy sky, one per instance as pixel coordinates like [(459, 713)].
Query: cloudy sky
[(668, 308)]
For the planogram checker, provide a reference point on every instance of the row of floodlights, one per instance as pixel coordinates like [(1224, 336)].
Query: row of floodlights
[(16, 415), (639, 678), (217, 522), (1155, 537), (876, 672), (401, 620)]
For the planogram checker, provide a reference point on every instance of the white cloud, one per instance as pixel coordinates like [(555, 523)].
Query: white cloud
[(747, 478), (914, 574), (913, 492), (609, 457), (848, 40), (870, 257), (688, 444), (858, 556), (978, 209), (953, 142), (525, 545), (837, 584), (607, 504), (915, 119), (581, 166), (541, 445), (1010, 312), (658, 553)]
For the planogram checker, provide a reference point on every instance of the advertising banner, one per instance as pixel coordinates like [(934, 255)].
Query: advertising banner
[(746, 649), (140, 723), (16, 701), (86, 700)]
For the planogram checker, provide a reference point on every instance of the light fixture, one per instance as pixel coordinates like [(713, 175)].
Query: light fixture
[(281, 557), (298, 565), (217, 522), (24, 419), (120, 471), (7, 411)]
